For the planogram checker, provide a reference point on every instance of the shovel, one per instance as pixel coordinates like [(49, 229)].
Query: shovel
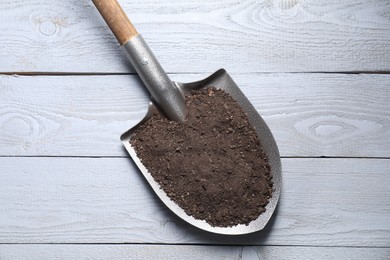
[(169, 97)]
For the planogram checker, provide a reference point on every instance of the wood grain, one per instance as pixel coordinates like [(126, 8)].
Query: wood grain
[(325, 202), (191, 36), (150, 252), (63, 178), (309, 114), (314, 253), (116, 19)]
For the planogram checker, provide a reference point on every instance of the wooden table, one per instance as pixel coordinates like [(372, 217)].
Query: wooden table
[(317, 71)]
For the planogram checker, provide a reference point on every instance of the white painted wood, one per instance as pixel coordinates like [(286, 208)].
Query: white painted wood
[(309, 114), (120, 252), (313, 253), (325, 202), (191, 36), (179, 252)]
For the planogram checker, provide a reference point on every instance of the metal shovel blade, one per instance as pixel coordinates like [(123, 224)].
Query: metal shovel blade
[(221, 80)]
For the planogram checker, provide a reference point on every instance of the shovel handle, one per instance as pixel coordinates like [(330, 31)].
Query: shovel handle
[(116, 19)]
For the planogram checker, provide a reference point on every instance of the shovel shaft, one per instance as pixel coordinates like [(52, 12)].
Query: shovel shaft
[(164, 92), (116, 19)]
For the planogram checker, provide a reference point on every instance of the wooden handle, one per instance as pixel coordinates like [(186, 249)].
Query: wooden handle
[(116, 19)]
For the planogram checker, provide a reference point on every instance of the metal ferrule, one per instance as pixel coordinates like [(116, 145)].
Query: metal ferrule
[(164, 92)]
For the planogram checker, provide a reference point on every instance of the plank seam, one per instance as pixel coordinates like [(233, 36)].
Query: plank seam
[(120, 157), (184, 73), (195, 244)]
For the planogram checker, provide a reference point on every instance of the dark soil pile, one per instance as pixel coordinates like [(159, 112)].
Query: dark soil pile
[(212, 164)]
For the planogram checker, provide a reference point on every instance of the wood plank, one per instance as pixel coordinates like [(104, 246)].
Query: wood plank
[(242, 36), (309, 114), (148, 252), (325, 202), (313, 253)]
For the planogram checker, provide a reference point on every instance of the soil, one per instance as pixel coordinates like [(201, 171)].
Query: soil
[(212, 164)]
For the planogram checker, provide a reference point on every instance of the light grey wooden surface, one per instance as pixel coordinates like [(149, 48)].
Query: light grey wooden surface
[(310, 114), (195, 36), (68, 189), (119, 252), (324, 202)]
